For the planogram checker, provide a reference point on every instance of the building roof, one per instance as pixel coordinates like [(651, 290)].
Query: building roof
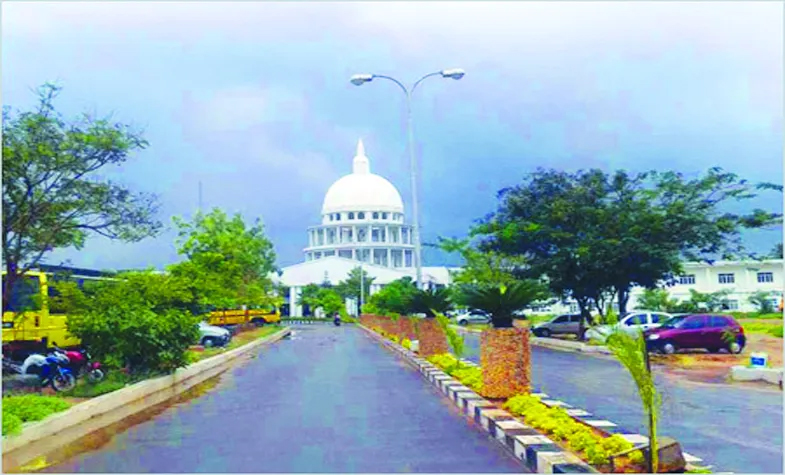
[(362, 190), (335, 269)]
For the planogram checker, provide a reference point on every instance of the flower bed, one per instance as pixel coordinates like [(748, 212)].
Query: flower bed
[(591, 445)]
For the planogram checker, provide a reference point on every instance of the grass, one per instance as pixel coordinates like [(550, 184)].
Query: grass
[(112, 382), (29, 408), (762, 327)]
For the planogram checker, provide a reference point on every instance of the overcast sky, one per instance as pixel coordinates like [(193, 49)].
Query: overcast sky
[(253, 99)]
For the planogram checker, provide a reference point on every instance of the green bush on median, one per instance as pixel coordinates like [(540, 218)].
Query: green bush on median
[(28, 408)]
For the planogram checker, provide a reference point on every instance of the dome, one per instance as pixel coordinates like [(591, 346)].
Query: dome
[(362, 190)]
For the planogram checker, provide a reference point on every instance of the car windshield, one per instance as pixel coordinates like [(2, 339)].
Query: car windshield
[(674, 322)]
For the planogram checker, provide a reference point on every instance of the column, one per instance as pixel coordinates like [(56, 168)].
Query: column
[(354, 254), (354, 233), (387, 233), (369, 237), (294, 309), (389, 257)]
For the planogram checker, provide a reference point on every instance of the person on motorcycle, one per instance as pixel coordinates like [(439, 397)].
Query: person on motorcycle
[(337, 318)]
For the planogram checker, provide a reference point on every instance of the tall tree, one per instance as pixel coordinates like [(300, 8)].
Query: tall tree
[(776, 252), (228, 263), (350, 288), (53, 194), (395, 297), (592, 232)]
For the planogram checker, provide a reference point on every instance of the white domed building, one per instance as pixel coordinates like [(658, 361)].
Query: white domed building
[(363, 220), (363, 224)]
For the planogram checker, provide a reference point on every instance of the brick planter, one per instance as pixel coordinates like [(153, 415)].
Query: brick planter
[(431, 337), (406, 328), (505, 358)]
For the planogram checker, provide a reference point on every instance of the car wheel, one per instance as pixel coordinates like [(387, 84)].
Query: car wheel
[(463, 323), (668, 348), (713, 350), (208, 342), (545, 333), (735, 348)]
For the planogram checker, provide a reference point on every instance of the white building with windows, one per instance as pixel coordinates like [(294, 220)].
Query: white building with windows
[(362, 225)]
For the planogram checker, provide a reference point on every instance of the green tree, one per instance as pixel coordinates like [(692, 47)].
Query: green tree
[(228, 263), (431, 301), (140, 320), (327, 298), (350, 288), (762, 301), (657, 299), (776, 252), (592, 232), (395, 297), (502, 301), (54, 196), (309, 295)]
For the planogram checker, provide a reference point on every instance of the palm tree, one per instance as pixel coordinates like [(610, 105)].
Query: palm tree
[(431, 337), (505, 355)]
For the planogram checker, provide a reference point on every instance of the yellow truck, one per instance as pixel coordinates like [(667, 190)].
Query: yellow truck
[(258, 317), (28, 322)]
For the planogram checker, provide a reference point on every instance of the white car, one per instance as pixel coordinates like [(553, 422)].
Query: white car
[(474, 316), (630, 322), (210, 335)]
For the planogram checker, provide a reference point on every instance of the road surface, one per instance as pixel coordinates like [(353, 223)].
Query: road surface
[(732, 428), (328, 400)]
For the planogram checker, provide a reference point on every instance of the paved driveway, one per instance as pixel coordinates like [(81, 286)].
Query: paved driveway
[(329, 400), (734, 429)]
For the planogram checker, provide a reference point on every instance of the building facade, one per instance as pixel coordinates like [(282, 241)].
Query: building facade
[(363, 220)]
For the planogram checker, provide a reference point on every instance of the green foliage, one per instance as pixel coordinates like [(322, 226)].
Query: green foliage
[(762, 300), (140, 320), (591, 233), (397, 297), (632, 354), (431, 301), (455, 339), (658, 300), (112, 382), (12, 424), (54, 193), (350, 288), (228, 264), (501, 301), (29, 408), (482, 267), (406, 343)]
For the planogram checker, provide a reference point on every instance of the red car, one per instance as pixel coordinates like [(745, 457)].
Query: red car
[(710, 331)]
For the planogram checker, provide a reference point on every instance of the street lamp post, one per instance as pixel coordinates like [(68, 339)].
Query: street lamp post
[(360, 79)]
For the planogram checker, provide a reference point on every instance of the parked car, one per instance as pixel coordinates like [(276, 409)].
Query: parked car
[(631, 322), (210, 335), (710, 331), (561, 325), (473, 316)]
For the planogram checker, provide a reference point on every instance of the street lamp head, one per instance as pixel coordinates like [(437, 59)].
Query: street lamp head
[(455, 73), (360, 79)]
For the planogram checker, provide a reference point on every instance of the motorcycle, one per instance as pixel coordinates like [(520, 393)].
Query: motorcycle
[(337, 321), (80, 363), (51, 370)]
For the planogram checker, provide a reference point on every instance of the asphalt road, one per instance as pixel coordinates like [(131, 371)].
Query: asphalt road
[(733, 429), (329, 400)]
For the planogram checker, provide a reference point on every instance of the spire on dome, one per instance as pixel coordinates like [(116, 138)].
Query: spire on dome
[(361, 164)]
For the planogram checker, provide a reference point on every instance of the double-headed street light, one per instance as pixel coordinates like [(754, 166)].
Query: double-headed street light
[(360, 79)]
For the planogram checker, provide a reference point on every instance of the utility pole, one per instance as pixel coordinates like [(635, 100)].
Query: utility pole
[(200, 196), (362, 290)]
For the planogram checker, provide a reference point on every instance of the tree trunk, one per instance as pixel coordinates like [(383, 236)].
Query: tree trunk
[(505, 358), (624, 296), (431, 337), (9, 279)]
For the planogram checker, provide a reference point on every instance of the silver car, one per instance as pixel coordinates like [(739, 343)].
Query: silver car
[(561, 325), (474, 316)]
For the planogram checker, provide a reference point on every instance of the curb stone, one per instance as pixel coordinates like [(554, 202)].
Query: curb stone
[(471, 404), (60, 429), (536, 451)]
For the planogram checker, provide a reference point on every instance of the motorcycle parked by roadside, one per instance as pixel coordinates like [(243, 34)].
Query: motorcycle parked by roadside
[(81, 364), (51, 370)]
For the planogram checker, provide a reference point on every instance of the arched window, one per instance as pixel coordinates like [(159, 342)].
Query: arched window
[(360, 215), (351, 215), (337, 216), (375, 215), (384, 215)]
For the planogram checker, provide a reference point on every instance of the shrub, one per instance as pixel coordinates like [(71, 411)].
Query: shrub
[(394, 338), (637, 457), (29, 408), (12, 424), (776, 331), (596, 455), (615, 444), (139, 320), (406, 343), (113, 381)]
